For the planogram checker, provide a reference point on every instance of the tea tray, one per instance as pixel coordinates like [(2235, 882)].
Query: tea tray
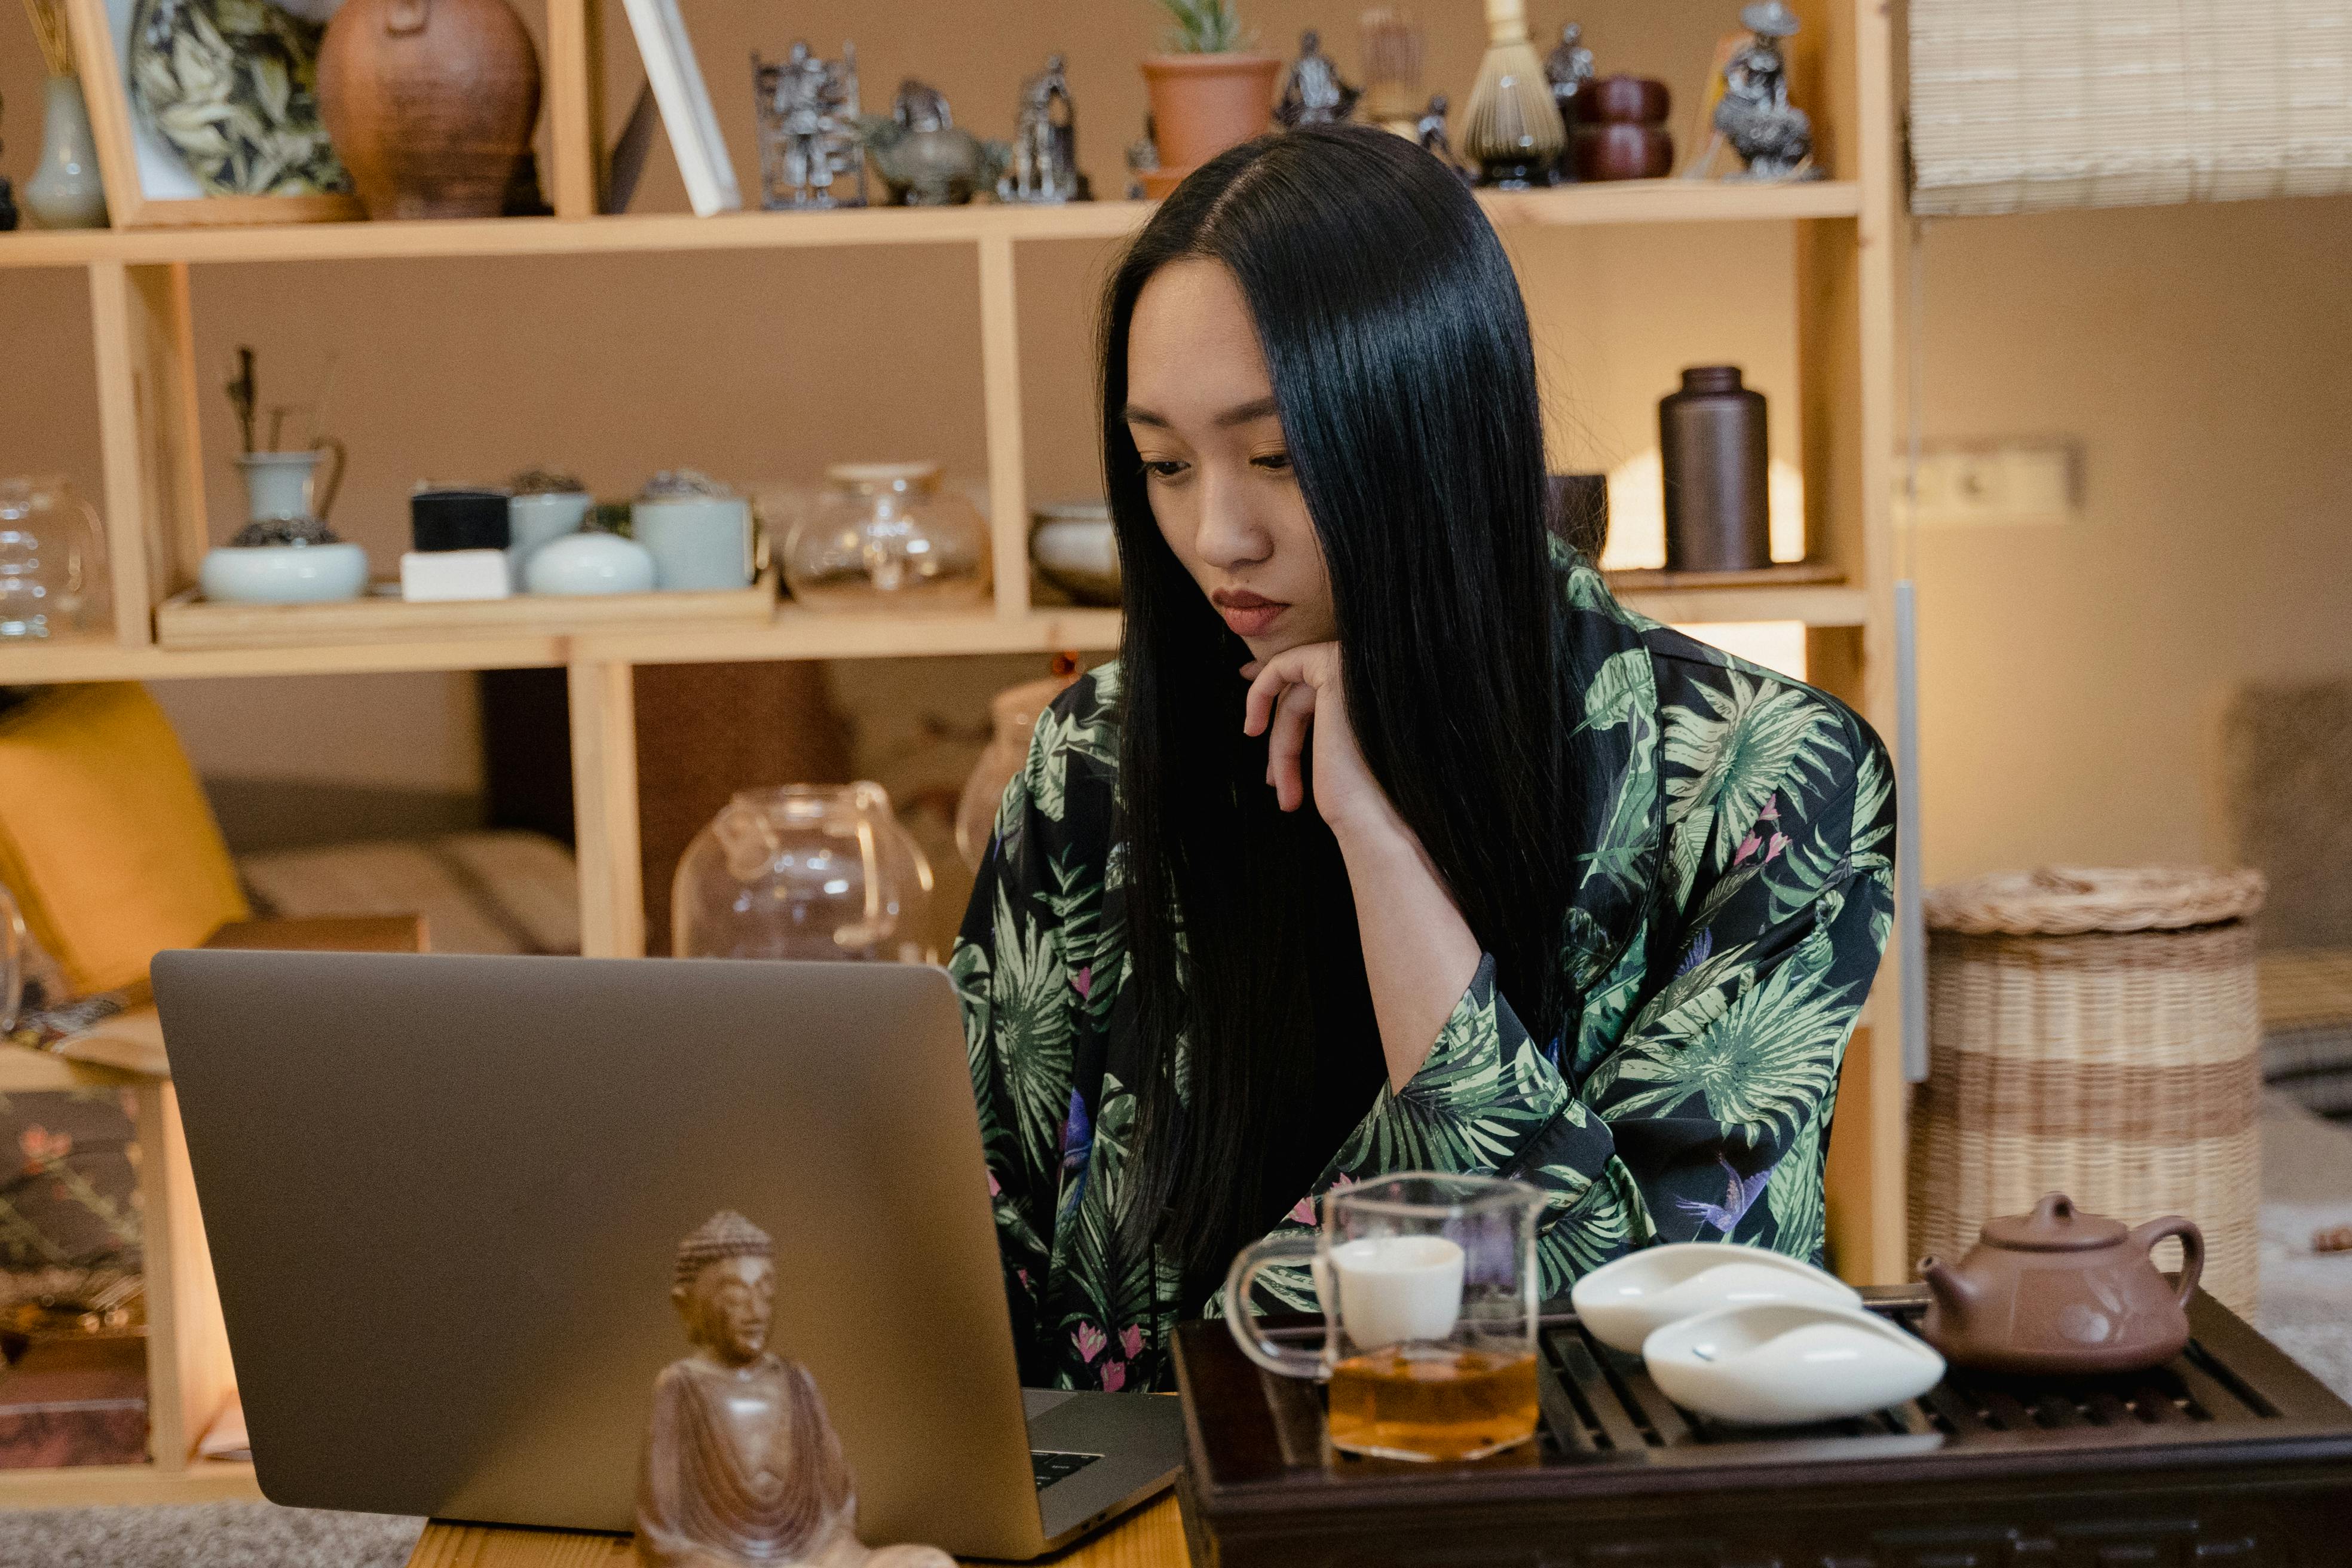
[(189, 620), (2228, 1453)]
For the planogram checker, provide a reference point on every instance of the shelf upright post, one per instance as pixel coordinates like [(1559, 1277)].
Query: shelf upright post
[(143, 342), (189, 1376), (575, 107), (1000, 376), (603, 698)]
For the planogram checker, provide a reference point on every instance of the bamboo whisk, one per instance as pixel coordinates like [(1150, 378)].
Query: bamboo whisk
[(50, 27), (1510, 119)]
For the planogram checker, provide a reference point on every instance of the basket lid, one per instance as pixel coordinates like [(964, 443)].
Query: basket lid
[(2066, 901)]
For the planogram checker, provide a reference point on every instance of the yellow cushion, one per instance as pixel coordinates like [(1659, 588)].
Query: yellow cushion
[(105, 836)]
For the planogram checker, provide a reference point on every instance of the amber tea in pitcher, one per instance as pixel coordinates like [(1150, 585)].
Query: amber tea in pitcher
[(1432, 1404), (1428, 1289)]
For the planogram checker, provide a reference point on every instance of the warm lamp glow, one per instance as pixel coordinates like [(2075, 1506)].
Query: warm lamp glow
[(1637, 513)]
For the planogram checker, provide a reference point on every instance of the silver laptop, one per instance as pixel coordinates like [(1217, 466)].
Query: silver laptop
[(443, 1196)]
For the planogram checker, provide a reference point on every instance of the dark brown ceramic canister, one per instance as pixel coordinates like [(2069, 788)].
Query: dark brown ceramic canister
[(1717, 476), (1621, 133), (430, 104)]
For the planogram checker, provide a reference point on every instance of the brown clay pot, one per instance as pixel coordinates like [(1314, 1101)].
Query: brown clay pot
[(1623, 133), (1202, 105), (429, 103)]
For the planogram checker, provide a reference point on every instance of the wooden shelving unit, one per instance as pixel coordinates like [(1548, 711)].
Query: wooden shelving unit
[(1843, 312)]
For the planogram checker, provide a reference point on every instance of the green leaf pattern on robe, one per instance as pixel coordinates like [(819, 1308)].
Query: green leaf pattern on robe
[(1732, 899)]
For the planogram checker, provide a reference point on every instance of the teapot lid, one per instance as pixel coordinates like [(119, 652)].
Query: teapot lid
[(2054, 1225)]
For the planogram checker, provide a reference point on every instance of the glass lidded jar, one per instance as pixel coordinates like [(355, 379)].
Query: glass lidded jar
[(52, 560), (811, 871), (885, 535)]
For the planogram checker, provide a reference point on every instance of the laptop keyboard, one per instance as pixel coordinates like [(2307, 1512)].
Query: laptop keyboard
[(1049, 1467)]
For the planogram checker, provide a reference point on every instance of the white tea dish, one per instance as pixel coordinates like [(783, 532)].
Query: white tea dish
[(1787, 1364), (1624, 1302)]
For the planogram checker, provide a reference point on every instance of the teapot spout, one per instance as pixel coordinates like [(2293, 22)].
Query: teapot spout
[(1954, 1292)]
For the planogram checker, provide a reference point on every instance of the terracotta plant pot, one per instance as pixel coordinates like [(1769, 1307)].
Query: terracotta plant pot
[(1202, 105), (429, 103)]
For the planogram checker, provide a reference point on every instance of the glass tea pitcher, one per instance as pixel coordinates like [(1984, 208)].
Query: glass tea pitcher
[(802, 871), (1428, 1287), (885, 536), (52, 560)]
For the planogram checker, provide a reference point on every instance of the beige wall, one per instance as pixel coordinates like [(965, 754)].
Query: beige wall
[(2198, 353), (2066, 673)]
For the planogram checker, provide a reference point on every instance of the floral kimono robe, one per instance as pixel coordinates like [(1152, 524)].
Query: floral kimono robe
[(1735, 891)]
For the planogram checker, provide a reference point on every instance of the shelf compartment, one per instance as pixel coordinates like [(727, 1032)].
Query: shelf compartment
[(1616, 201), (188, 620)]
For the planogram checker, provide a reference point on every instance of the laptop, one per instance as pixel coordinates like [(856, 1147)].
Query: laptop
[(444, 1196)]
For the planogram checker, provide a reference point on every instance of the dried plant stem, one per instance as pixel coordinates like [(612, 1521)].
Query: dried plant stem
[(49, 28)]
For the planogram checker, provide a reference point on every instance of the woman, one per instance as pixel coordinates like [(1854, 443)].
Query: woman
[(1392, 841)]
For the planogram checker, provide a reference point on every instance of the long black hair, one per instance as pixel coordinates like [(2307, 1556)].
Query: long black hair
[(1397, 344)]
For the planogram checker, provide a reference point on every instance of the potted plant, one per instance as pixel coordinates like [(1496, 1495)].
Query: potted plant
[(1209, 91)]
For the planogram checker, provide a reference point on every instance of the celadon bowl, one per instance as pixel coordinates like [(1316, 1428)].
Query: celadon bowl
[(1786, 1363), (1624, 1302), (284, 573)]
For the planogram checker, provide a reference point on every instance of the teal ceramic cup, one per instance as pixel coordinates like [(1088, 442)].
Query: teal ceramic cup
[(697, 542)]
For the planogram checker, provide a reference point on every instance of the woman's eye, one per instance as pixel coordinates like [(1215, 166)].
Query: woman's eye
[(1161, 468), (1274, 462)]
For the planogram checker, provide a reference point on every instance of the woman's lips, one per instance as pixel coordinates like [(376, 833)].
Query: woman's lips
[(1249, 614)]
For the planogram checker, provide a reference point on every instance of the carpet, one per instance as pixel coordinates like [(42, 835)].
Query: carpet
[(204, 1535)]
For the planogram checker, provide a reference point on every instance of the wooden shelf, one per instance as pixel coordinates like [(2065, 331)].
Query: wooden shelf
[(1622, 201), (790, 633)]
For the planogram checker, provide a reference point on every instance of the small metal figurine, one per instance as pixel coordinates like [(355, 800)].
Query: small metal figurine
[(1569, 67), (742, 1468), (925, 157), (1142, 158), (810, 154), (1045, 166), (1774, 140), (1430, 132), (1312, 92)]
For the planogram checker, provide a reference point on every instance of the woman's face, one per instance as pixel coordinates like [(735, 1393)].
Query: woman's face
[(1200, 409)]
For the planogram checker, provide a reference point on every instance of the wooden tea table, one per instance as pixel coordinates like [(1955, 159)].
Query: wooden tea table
[(1150, 1537)]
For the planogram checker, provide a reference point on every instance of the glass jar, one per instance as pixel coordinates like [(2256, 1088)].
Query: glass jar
[(802, 871), (1014, 712), (884, 535), (52, 560)]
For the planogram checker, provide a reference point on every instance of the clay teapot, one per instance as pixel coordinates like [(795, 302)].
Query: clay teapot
[(2055, 1292)]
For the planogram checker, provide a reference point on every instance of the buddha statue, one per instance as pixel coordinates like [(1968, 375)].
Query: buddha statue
[(743, 1468)]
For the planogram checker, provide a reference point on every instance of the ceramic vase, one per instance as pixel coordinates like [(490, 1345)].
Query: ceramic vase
[(1202, 105), (65, 190), (430, 104)]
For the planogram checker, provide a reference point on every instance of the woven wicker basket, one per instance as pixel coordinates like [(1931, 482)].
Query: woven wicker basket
[(2026, 105), (2094, 1032)]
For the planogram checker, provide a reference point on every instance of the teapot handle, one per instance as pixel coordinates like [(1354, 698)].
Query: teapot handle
[(2192, 1249)]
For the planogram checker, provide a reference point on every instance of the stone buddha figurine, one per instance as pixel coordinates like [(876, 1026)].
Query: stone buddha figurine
[(743, 1468)]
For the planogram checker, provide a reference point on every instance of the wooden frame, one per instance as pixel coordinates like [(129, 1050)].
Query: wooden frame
[(1844, 231), (113, 126)]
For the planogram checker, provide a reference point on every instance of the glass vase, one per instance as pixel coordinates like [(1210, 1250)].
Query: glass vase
[(885, 536), (52, 560)]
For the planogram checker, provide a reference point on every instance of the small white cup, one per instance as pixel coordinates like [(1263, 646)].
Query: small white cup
[(1397, 1288)]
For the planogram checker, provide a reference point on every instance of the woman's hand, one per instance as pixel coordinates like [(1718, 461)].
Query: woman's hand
[(1296, 691)]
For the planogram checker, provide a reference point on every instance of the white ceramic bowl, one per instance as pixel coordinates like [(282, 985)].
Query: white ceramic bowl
[(589, 564), (284, 573), (1624, 1302), (1785, 1364), (1076, 550)]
